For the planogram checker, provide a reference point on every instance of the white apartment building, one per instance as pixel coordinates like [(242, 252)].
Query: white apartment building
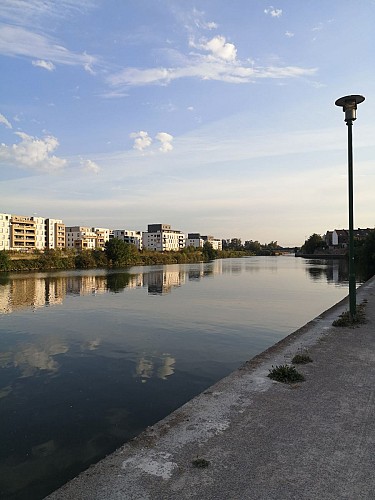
[(80, 237), (161, 238), (5, 231), (40, 232), (102, 234), (129, 236), (197, 241), (54, 233)]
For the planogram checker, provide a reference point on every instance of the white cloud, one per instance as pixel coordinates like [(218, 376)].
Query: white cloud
[(141, 140), (289, 34), (90, 166), (166, 141), (19, 42), (273, 12), (40, 63), (5, 122), (206, 70), (221, 64), (220, 49), (32, 153)]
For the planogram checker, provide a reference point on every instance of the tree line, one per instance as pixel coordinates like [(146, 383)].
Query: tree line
[(364, 250), (117, 253)]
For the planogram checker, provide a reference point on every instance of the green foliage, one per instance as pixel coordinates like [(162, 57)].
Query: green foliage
[(366, 254), (313, 243), (345, 318), (200, 463), (119, 253), (208, 252), (4, 261), (85, 260), (286, 374), (301, 359)]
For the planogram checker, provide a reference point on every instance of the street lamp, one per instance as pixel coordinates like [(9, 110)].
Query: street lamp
[(349, 107)]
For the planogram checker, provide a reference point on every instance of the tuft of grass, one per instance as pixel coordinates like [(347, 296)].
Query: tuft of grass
[(200, 462), (301, 359), (346, 320), (286, 374)]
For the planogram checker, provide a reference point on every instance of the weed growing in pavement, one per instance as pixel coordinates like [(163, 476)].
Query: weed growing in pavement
[(200, 462), (346, 320), (286, 374), (301, 359)]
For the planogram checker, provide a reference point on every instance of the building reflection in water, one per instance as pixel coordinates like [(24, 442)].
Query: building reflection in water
[(36, 290)]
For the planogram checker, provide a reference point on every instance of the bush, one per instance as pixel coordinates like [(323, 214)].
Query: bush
[(286, 374), (4, 261)]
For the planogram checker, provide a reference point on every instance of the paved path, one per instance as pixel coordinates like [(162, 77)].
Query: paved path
[(262, 439)]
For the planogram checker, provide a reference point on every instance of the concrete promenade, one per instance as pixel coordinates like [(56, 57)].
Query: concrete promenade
[(262, 439)]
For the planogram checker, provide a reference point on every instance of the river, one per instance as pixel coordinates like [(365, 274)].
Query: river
[(88, 359)]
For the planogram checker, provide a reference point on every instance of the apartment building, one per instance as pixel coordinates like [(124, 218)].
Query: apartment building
[(80, 237), (23, 233), (129, 236), (55, 233), (162, 238), (5, 231), (197, 241), (102, 235)]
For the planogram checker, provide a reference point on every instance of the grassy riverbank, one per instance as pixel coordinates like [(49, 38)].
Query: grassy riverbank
[(91, 259)]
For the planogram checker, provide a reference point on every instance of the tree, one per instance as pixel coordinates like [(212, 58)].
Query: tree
[(4, 261), (118, 252), (313, 243), (367, 254), (208, 252)]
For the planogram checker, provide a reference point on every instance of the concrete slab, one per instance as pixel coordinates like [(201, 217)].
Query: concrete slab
[(262, 439)]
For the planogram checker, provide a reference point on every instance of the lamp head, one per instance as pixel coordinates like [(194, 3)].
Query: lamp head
[(349, 106)]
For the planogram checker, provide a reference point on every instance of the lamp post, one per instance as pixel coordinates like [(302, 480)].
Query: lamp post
[(349, 107)]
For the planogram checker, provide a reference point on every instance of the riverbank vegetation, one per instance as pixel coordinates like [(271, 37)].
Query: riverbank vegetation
[(119, 254), (364, 251)]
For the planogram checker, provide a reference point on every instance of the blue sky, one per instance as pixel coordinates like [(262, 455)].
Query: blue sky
[(213, 116)]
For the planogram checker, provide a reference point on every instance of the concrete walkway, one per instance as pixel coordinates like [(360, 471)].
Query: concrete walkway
[(262, 439)]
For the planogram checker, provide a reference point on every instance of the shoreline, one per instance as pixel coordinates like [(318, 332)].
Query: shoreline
[(157, 464)]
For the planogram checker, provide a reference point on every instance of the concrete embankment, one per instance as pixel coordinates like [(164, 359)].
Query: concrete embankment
[(261, 439)]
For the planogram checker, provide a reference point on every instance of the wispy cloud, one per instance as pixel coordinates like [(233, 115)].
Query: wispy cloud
[(22, 12), (90, 166), (289, 34), (44, 64), (219, 64), (19, 42), (273, 12), (32, 153), (5, 122)]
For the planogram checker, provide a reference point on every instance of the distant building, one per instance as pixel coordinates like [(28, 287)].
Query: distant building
[(5, 231), (197, 241), (162, 238), (339, 238), (129, 236), (102, 236), (80, 237), (54, 233)]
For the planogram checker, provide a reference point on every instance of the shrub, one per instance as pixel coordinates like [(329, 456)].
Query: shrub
[(286, 374)]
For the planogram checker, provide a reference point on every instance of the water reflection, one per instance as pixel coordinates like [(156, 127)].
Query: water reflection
[(19, 291), (88, 359), (334, 271)]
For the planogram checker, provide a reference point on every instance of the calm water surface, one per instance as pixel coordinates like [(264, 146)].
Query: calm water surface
[(88, 359)]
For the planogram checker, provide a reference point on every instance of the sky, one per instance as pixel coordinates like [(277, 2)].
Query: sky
[(212, 116)]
